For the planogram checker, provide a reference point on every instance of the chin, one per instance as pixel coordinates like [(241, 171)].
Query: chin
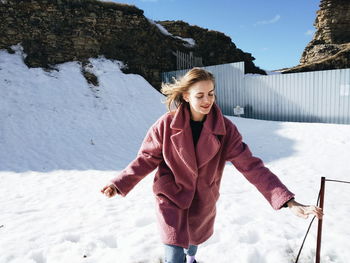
[(205, 111)]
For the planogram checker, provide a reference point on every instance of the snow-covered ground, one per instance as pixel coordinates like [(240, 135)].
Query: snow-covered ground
[(61, 140)]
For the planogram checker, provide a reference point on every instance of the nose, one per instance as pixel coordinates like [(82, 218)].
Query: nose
[(208, 99)]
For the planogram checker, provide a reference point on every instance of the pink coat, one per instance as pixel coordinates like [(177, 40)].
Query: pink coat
[(187, 181)]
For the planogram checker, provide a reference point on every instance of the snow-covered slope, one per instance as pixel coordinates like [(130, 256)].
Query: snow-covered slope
[(45, 115), (61, 140)]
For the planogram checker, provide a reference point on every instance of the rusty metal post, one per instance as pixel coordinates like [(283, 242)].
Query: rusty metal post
[(319, 230)]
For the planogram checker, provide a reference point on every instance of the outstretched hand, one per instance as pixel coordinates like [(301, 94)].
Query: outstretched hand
[(305, 210), (109, 190)]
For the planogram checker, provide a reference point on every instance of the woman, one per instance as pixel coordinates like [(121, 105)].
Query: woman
[(190, 147)]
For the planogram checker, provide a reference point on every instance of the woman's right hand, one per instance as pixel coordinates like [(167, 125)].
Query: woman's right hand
[(109, 190), (305, 210)]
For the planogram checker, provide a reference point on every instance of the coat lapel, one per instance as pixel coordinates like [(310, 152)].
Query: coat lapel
[(182, 140), (183, 144), (208, 144)]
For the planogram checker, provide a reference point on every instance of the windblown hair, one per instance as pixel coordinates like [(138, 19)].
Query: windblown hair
[(174, 91)]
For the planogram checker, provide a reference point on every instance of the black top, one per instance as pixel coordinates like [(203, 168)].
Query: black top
[(196, 127)]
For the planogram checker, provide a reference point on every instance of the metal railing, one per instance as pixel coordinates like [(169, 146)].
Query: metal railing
[(320, 202)]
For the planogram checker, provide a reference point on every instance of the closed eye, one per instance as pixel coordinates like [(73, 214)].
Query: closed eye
[(201, 96)]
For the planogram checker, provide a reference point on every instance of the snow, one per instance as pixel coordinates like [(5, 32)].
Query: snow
[(160, 27), (190, 41), (272, 72), (45, 112), (62, 139)]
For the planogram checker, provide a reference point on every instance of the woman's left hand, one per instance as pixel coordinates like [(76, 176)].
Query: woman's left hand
[(304, 210)]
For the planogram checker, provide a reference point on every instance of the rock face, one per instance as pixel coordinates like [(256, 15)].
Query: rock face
[(56, 31), (330, 47), (212, 46)]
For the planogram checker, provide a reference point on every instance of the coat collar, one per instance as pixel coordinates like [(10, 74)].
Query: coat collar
[(214, 121), (208, 144)]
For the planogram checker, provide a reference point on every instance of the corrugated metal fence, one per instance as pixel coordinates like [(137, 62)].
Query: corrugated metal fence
[(184, 60), (318, 96)]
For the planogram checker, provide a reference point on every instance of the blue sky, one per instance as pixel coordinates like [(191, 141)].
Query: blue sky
[(274, 31)]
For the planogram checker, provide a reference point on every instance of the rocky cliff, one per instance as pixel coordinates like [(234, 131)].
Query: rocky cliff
[(212, 46), (330, 46), (56, 31)]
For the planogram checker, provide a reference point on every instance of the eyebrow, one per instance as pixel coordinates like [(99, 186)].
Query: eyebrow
[(203, 92)]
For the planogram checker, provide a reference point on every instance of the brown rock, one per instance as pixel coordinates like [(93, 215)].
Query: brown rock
[(213, 46), (330, 47), (57, 31)]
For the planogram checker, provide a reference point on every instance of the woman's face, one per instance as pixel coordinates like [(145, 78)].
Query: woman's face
[(201, 98)]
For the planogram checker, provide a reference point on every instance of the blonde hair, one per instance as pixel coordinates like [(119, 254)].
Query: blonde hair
[(174, 91)]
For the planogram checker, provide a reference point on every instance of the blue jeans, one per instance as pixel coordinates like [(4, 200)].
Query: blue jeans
[(176, 254)]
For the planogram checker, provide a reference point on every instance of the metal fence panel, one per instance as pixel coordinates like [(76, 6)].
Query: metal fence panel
[(319, 96)]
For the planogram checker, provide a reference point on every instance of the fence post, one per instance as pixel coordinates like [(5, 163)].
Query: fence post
[(319, 230)]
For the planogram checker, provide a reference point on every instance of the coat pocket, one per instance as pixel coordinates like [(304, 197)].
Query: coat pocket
[(166, 186)]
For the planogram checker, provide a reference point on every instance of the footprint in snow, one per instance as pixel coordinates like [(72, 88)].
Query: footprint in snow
[(144, 221), (242, 220), (38, 257), (110, 241), (250, 237), (71, 237)]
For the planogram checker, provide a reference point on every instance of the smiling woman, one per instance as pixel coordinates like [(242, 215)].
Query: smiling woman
[(196, 88), (200, 98), (190, 146)]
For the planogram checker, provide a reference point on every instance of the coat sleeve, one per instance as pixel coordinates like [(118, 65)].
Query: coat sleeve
[(254, 170), (148, 158)]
